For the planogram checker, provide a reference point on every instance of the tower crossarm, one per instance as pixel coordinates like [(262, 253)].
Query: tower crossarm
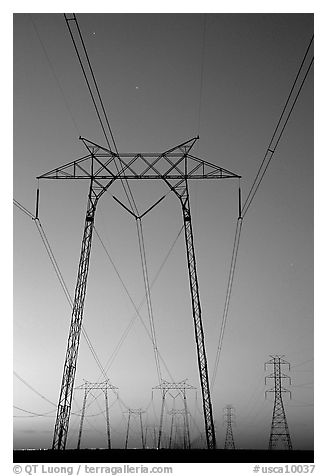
[(281, 376), (106, 385), (281, 390), (181, 411), (101, 165), (182, 385)]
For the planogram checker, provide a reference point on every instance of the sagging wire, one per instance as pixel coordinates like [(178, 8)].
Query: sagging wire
[(276, 137)]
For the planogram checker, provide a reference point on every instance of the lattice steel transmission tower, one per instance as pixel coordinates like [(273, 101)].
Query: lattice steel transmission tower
[(181, 388), (186, 428), (138, 412), (279, 433), (88, 387), (229, 420), (150, 432), (102, 167)]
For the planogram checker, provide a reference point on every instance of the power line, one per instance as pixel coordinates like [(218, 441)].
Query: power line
[(60, 278), (279, 129), (33, 389), (54, 74), (97, 107), (66, 292), (278, 132), (202, 69), (137, 308), (32, 414), (302, 363), (148, 295), (68, 296), (23, 209), (228, 296)]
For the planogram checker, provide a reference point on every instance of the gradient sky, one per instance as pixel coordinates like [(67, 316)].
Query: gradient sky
[(148, 68)]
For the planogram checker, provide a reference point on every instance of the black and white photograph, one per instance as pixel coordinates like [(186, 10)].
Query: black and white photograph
[(163, 239)]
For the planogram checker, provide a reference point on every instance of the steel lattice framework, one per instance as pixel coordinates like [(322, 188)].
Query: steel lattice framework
[(184, 414), (181, 388), (279, 433), (138, 412), (229, 440), (88, 387), (102, 167)]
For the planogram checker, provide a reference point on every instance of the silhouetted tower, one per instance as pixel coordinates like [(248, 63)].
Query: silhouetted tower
[(150, 431), (101, 167), (229, 415), (87, 387), (139, 413), (186, 429), (279, 433), (165, 387)]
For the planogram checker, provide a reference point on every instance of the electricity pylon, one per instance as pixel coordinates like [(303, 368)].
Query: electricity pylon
[(229, 415), (88, 387), (279, 429), (181, 388), (182, 412), (150, 429), (138, 412), (102, 167)]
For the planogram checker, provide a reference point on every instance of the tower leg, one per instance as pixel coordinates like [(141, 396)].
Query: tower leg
[(142, 434), (145, 436), (198, 327), (68, 378), (187, 425), (171, 430), (161, 418), (127, 432), (82, 421), (107, 419)]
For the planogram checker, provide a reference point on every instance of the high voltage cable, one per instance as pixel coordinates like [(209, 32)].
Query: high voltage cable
[(202, 69), (148, 296), (302, 363), (88, 341), (60, 278), (64, 287), (228, 296), (69, 299), (138, 219), (90, 90), (67, 294), (23, 209), (277, 134), (33, 389), (32, 414), (137, 309), (46, 399), (125, 183), (94, 80), (54, 74), (279, 129)]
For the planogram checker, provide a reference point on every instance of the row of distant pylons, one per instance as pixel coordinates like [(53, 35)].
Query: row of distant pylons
[(178, 436)]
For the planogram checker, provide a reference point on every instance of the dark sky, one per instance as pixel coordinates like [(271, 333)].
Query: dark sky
[(165, 78)]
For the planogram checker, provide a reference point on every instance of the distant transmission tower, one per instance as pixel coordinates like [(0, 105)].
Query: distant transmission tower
[(87, 387), (186, 429), (181, 388), (279, 434), (229, 440), (138, 412)]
